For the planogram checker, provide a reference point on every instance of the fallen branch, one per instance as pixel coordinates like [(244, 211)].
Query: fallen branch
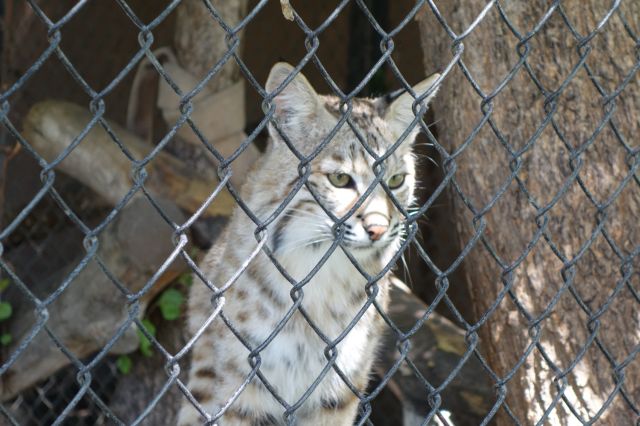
[(99, 163)]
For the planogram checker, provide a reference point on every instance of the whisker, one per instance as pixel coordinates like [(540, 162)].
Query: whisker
[(407, 274), (427, 157), (291, 212), (307, 238), (434, 123), (312, 224), (321, 232), (305, 243), (308, 219), (423, 144)]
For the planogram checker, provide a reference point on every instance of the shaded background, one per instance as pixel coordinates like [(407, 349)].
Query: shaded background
[(100, 40)]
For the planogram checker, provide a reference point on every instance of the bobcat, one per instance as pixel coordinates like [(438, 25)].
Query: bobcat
[(298, 238)]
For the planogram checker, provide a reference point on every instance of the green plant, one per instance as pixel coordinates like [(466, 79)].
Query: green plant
[(124, 364), (5, 339), (4, 283), (144, 343), (6, 310), (186, 279), (170, 305)]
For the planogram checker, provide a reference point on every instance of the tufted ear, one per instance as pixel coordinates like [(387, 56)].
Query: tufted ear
[(400, 114), (296, 104)]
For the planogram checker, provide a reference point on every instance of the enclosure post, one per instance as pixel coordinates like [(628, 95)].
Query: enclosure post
[(200, 42)]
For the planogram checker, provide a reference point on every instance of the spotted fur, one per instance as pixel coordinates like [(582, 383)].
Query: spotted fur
[(298, 239)]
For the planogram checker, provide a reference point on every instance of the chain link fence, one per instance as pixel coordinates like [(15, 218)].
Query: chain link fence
[(83, 389)]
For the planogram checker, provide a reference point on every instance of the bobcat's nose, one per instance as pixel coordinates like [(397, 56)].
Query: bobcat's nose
[(376, 231), (376, 225)]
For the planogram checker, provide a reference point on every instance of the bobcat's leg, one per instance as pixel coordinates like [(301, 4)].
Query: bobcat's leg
[(207, 385), (339, 412)]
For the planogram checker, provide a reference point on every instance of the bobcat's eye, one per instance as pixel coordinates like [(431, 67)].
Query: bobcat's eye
[(396, 181), (340, 180)]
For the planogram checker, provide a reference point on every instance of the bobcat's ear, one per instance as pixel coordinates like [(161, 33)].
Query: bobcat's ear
[(297, 102), (400, 114)]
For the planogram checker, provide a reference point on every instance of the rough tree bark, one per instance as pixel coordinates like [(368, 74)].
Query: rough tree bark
[(602, 279)]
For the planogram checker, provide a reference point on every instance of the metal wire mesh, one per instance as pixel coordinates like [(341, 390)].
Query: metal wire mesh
[(87, 392), (42, 404)]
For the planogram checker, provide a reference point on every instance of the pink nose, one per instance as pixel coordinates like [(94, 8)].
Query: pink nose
[(376, 231)]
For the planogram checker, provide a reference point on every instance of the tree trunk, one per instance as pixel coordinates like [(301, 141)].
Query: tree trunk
[(566, 247)]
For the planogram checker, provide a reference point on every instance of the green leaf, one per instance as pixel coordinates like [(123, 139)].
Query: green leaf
[(4, 283), (151, 328), (5, 310), (186, 279), (5, 339), (146, 348), (170, 302), (124, 364)]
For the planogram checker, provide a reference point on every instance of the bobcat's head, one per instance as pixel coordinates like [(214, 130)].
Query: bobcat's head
[(343, 171)]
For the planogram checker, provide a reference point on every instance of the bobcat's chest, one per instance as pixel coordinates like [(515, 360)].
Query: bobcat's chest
[(308, 345)]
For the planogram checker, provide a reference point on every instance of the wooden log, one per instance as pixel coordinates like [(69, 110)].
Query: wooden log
[(97, 162), (91, 309)]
